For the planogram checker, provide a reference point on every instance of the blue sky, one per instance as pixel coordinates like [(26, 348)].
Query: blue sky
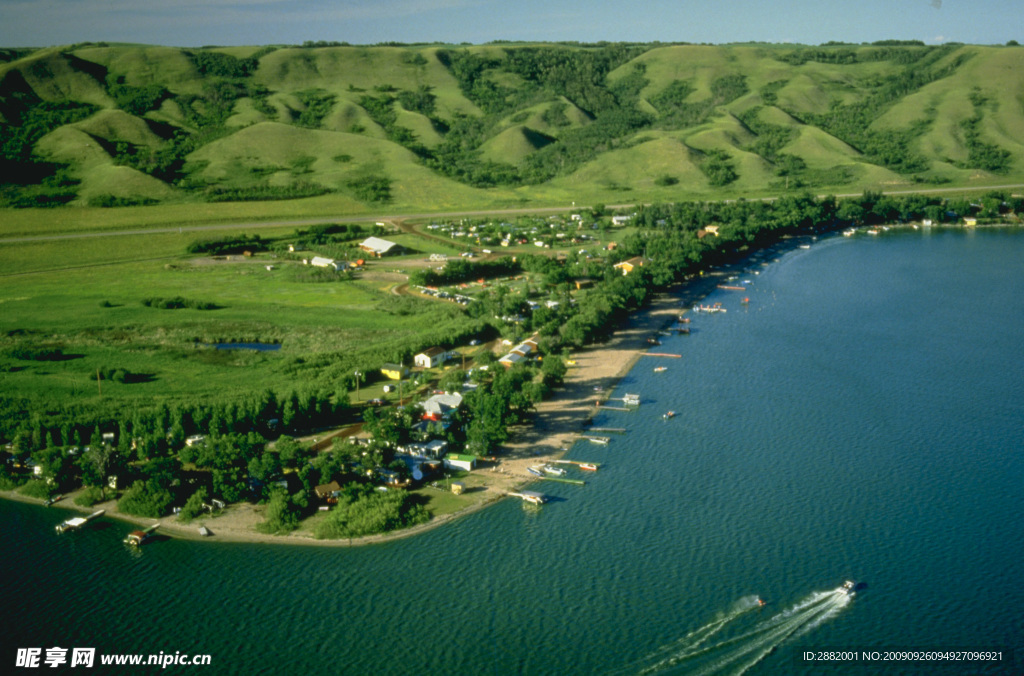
[(189, 23)]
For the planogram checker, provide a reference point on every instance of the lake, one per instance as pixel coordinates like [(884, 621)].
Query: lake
[(859, 419)]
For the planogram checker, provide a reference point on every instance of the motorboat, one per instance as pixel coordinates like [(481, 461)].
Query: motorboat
[(553, 471)]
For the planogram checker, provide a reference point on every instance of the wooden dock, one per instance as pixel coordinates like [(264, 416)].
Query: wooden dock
[(621, 409), (577, 462), (662, 354), (613, 430), (578, 482)]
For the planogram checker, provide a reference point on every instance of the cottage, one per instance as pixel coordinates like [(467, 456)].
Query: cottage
[(511, 359), (627, 266), (441, 405), (431, 357), (325, 491), (379, 247), (394, 371), (460, 461)]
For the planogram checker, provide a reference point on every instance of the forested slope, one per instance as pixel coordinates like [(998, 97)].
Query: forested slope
[(115, 124)]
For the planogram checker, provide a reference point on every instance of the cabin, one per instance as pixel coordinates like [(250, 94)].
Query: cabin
[(325, 491), (460, 461), (379, 247), (441, 405), (394, 371), (458, 488), (431, 357), (627, 266)]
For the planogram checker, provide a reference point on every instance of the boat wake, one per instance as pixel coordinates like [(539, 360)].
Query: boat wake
[(730, 645)]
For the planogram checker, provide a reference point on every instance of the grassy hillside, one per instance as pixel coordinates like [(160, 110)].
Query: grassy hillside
[(399, 127)]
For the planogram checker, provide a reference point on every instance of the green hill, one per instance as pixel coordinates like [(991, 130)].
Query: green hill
[(426, 126)]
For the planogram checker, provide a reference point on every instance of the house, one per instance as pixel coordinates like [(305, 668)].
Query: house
[(321, 262), (325, 491), (707, 230), (431, 357), (511, 359), (394, 371), (379, 247), (460, 461), (441, 405), (621, 220), (627, 266)]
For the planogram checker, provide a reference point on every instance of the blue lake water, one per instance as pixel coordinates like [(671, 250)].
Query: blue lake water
[(861, 418)]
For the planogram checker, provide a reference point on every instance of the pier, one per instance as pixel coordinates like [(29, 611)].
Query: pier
[(578, 482), (663, 354), (78, 522), (612, 430)]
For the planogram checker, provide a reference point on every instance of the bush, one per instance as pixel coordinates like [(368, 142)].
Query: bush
[(90, 496), (146, 498)]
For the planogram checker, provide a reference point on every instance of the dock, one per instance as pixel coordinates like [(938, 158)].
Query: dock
[(577, 482), (139, 537), (662, 354), (78, 521), (621, 409), (611, 430)]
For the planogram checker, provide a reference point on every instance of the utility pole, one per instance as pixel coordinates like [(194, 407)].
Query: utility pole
[(358, 375)]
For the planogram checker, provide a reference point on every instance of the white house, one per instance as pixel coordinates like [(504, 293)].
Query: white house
[(440, 405), (431, 357)]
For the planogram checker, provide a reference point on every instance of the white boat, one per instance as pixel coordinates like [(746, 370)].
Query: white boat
[(536, 471), (849, 587), (660, 369), (598, 440), (553, 471)]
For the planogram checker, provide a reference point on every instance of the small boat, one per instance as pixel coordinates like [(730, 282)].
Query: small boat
[(536, 471), (653, 341), (532, 497), (589, 466), (849, 587), (598, 440), (54, 499), (139, 537), (760, 601), (553, 471), (683, 330), (669, 415), (660, 369)]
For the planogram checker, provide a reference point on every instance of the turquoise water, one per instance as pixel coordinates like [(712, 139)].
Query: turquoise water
[(860, 419)]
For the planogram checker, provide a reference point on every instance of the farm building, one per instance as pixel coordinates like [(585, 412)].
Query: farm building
[(379, 247), (431, 357), (321, 262), (394, 371)]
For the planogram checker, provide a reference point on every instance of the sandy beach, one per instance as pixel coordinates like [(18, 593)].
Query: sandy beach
[(557, 422)]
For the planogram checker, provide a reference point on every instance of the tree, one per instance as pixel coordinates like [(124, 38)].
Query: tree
[(146, 498)]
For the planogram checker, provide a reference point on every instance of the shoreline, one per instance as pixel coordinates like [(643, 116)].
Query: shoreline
[(557, 422)]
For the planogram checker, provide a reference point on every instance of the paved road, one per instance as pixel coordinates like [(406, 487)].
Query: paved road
[(399, 218)]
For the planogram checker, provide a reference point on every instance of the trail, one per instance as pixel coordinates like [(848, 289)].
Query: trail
[(738, 654)]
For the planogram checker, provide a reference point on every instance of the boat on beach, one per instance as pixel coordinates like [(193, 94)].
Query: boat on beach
[(536, 471)]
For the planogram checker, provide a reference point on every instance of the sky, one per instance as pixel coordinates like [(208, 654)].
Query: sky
[(193, 23)]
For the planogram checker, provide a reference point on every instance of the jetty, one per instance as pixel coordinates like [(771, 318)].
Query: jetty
[(78, 521), (621, 409), (577, 463), (140, 537), (732, 288), (662, 354), (578, 482), (611, 430)]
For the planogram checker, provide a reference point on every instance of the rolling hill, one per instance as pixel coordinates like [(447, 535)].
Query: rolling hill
[(432, 126)]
